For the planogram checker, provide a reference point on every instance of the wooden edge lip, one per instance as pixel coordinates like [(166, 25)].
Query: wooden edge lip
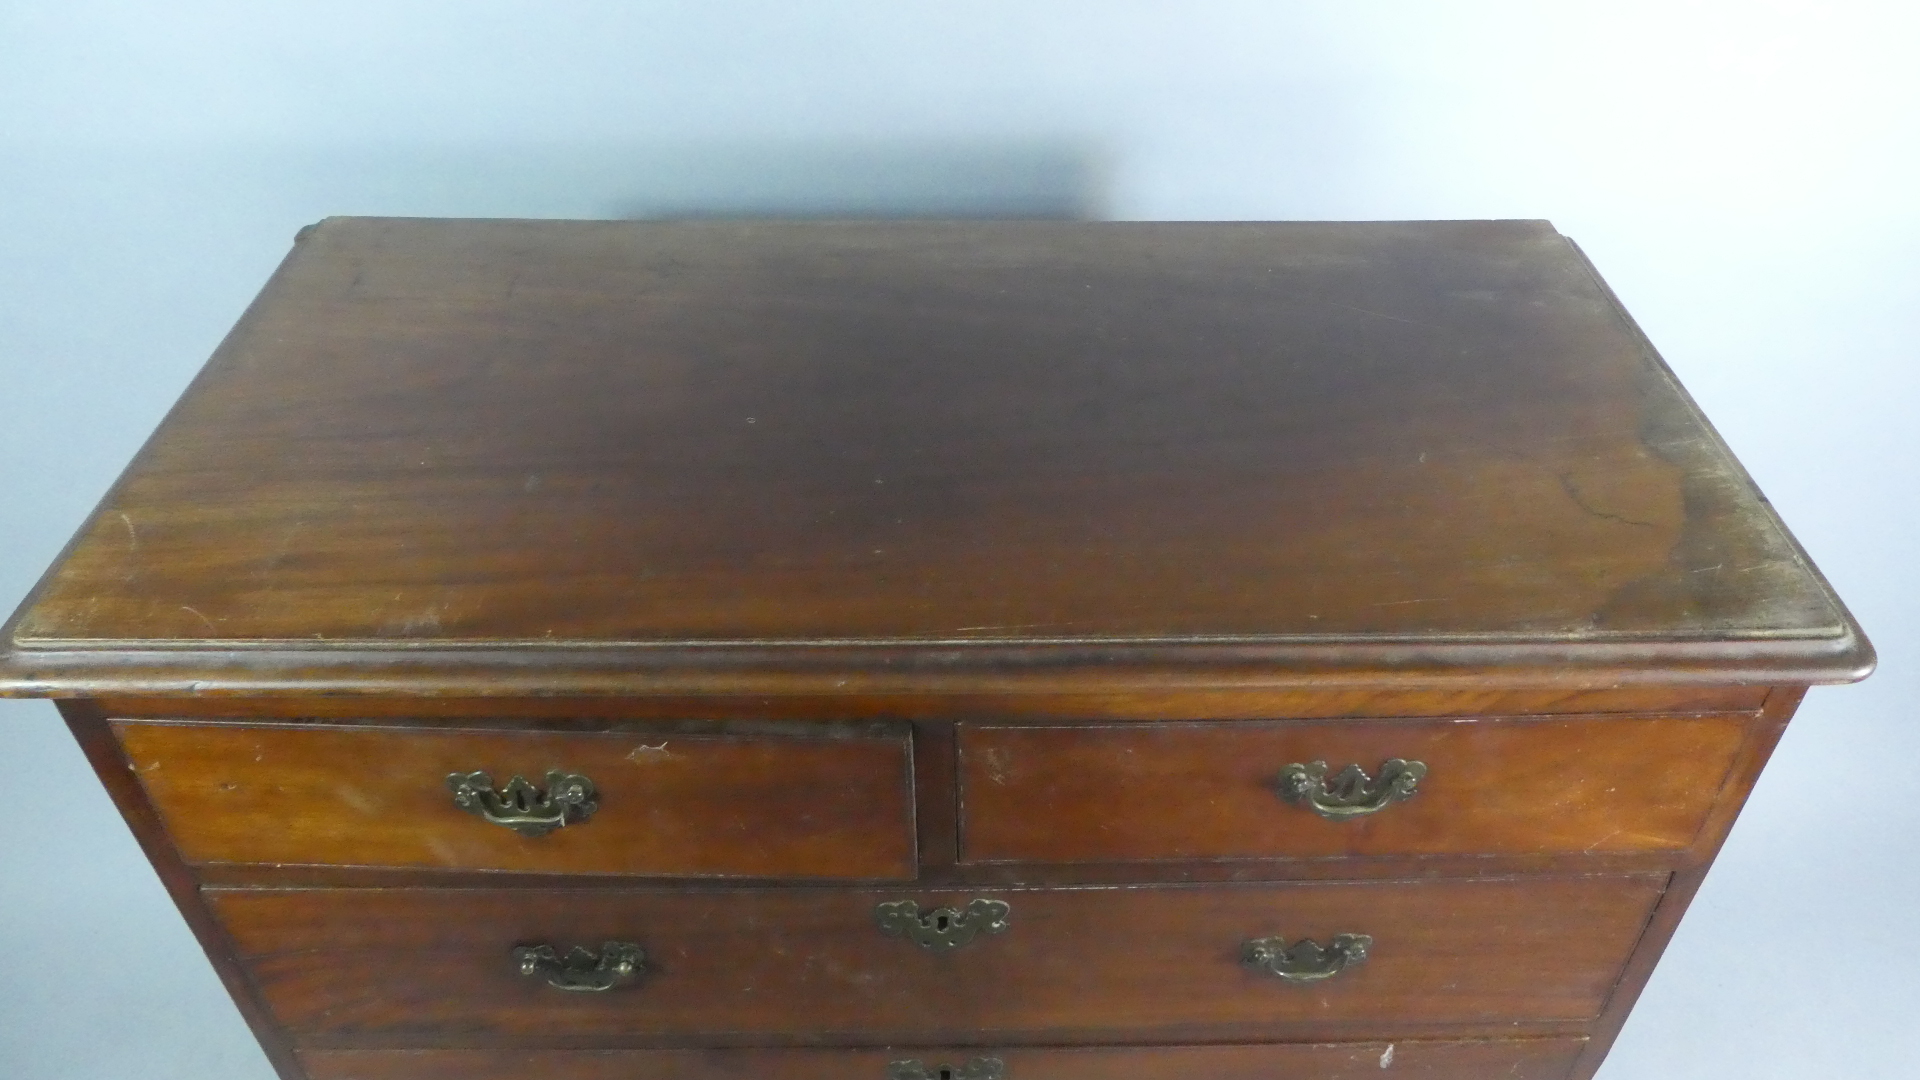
[(1654, 881), (338, 1061), (513, 669)]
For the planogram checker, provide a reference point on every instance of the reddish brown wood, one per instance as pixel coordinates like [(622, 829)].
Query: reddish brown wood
[(670, 805), (1507, 1059), (458, 458), (95, 735), (1673, 904), (432, 967), (1004, 875), (1196, 791), (1197, 704), (936, 789), (1069, 673), (537, 491)]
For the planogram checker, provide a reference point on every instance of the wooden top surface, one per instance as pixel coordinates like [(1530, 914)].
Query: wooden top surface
[(500, 448)]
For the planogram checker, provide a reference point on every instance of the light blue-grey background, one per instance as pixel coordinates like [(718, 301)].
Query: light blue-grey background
[(1746, 174)]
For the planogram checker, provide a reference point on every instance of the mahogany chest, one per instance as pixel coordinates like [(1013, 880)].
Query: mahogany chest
[(932, 651)]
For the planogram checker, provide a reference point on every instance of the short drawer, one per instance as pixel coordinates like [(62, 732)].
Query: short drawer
[(1508, 1059), (1220, 790), (826, 805), (420, 967)]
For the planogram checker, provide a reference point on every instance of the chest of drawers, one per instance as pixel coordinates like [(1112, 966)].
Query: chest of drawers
[(931, 651)]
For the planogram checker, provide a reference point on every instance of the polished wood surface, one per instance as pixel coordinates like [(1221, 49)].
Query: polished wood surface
[(1130, 964), (829, 805), (1199, 791), (1506, 1059), (627, 456), (890, 561)]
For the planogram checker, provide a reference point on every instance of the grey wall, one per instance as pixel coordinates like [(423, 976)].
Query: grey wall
[(1742, 172)]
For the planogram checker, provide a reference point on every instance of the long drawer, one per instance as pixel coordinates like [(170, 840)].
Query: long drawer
[(1243, 790), (437, 966), (1508, 1059), (819, 803)]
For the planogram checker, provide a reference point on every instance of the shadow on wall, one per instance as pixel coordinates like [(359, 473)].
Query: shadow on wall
[(867, 180), (210, 203)]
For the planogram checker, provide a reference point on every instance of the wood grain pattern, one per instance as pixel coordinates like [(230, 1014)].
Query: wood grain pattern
[(1780, 708), (679, 805), (1200, 791), (94, 733), (960, 877), (1199, 703), (635, 457), (1506, 1059), (431, 967), (1116, 520)]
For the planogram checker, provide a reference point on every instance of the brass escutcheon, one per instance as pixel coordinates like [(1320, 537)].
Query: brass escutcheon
[(942, 928), (980, 1068)]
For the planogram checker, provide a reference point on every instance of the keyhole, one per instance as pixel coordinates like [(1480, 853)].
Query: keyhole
[(946, 1071), (940, 922)]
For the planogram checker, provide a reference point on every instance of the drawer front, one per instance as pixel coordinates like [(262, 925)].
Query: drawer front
[(1216, 791), (416, 966), (1509, 1059), (667, 805)]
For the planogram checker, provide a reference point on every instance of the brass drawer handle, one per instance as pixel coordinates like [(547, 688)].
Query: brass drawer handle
[(522, 807), (1305, 961), (980, 1068), (582, 970), (1351, 793), (942, 928)]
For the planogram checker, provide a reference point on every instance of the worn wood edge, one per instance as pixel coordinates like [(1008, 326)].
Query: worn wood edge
[(1573, 638), (1753, 655), (1304, 1031), (1673, 903), (1659, 364), (933, 875), (1648, 878), (951, 668), (883, 730), (1756, 743), (90, 728), (993, 723), (335, 1063), (718, 710), (9, 630)]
